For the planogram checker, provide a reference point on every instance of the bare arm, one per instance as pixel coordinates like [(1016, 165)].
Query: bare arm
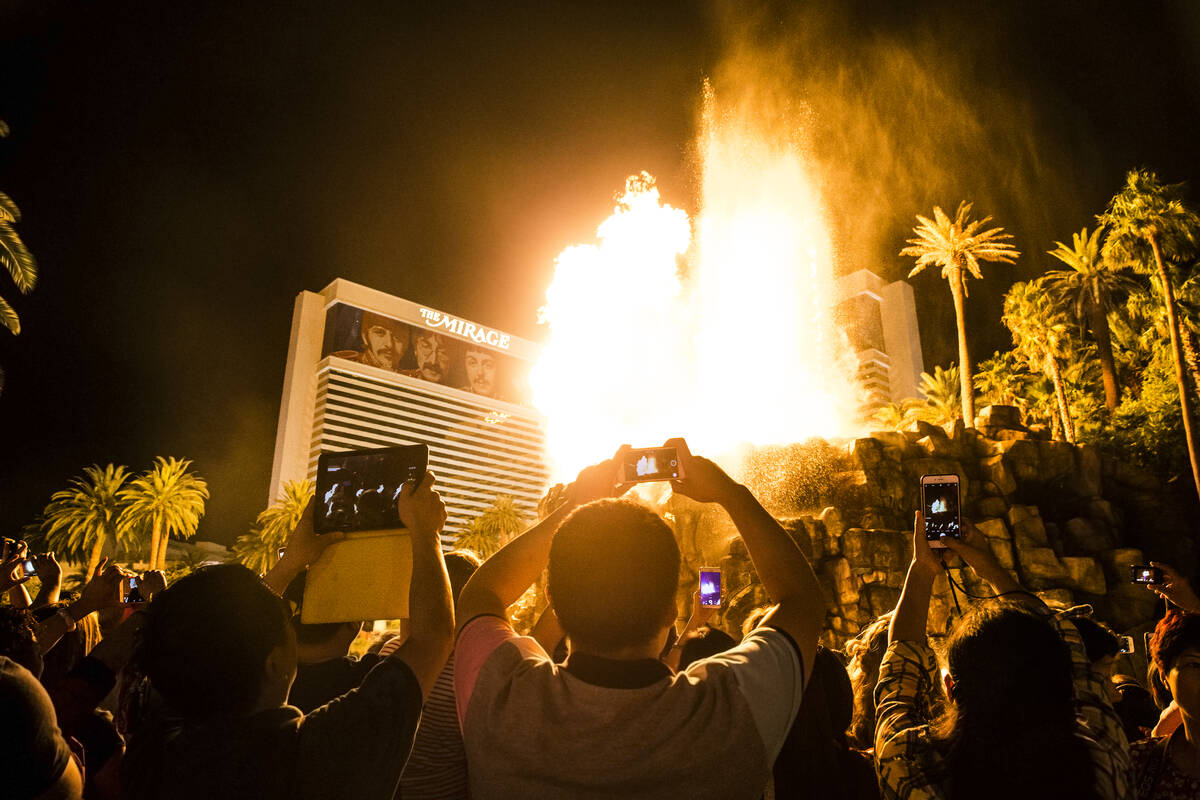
[(912, 612), (502, 579), (50, 575), (700, 616), (784, 571), (101, 592), (304, 547), (548, 631), (430, 605)]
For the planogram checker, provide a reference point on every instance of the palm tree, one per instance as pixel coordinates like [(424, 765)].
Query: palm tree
[(16, 258), (958, 246), (164, 499), (1039, 330), (1149, 226), (1091, 287), (82, 519), (1000, 380), (941, 392), (259, 549), (493, 529)]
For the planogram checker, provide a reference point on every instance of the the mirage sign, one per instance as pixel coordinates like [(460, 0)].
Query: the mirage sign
[(467, 330)]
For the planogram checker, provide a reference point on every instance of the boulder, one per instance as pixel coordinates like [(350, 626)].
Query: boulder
[(1116, 564), (1134, 476), (878, 599), (845, 585), (1041, 569), (1056, 461), (1088, 470), (867, 453), (991, 507), (1057, 598), (956, 430), (997, 416), (890, 439), (831, 521), (921, 429), (1084, 537), (1086, 574), (938, 446), (1027, 527), (1023, 460), (1007, 435), (996, 471), (1102, 511)]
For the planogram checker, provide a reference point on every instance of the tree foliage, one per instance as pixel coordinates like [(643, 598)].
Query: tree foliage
[(259, 549), (164, 500), (494, 528), (83, 519)]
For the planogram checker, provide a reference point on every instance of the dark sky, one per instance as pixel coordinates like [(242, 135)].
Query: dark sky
[(186, 169)]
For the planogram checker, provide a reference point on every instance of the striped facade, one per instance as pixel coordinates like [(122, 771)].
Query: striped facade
[(479, 448)]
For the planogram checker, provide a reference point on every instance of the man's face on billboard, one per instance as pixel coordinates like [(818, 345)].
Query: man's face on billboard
[(384, 342), (432, 352), (481, 372)]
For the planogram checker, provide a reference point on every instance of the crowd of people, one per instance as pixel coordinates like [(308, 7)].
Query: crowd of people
[(214, 687)]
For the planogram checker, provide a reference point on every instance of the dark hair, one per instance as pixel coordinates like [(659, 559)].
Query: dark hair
[(865, 653), (1176, 631), (614, 571), (460, 565), (307, 632), (702, 643), (1011, 731), (17, 640), (206, 638), (1098, 640)]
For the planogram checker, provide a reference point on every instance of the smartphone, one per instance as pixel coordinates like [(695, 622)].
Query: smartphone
[(651, 464), (1126, 644), (132, 595), (28, 570), (710, 587), (1144, 573), (940, 506), (279, 553), (357, 490)]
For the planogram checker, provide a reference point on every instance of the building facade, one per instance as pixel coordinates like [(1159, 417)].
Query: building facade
[(366, 369), (880, 320)]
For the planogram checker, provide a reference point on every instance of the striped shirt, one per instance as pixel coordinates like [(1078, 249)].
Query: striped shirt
[(437, 767)]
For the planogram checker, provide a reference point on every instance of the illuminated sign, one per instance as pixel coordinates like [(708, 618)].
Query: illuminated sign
[(467, 330)]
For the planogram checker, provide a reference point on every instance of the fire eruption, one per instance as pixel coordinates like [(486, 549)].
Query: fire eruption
[(719, 329)]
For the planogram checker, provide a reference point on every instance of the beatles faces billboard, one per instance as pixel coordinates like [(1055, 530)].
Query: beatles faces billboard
[(424, 352)]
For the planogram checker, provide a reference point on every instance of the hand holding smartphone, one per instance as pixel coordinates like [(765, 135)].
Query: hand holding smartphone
[(710, 587), (357, 490), (940, 505), (648, 464)]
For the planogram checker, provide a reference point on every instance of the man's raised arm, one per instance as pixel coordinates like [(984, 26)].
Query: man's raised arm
[(784, 571)]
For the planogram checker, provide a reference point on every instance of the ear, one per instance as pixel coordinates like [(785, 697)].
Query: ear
[(281, 664)]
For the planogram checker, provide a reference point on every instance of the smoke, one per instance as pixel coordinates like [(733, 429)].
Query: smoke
[(904, 110)]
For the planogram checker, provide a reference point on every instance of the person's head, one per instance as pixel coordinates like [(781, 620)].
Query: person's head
[(1010, 727), (613, 574), (1101, 644), (432, 352), (479, 364), (17, 641), (460, 565), (35, 760), (702, 643), (865, 653), (317, 641), (384, 340), (1175, 650), (217, 644)]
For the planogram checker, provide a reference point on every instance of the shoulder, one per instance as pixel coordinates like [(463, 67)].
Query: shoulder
[(488, 642)]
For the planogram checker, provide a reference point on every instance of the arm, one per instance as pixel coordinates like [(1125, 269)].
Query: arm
[(784, 571), (502, 579), (12, 580), (50, 575), (101, 592), (701, 614), (304, 546), (976, 552), (912, 612), (1176, 589), (430, 605), (94, 677)]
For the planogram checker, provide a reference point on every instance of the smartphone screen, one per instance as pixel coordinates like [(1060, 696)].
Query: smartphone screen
[(1126, 644), (132, 595), (940, 506), (651, 464), (28, 569), (1143, 573), (357, 490), (710, 587)]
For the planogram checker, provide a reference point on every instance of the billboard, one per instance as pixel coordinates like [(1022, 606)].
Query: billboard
[(445, 350)]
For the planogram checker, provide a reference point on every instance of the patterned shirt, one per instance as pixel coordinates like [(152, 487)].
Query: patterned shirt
[(1157, 776), (909, 760)]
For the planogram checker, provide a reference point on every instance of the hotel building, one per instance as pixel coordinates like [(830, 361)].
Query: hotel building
[(366, 369)]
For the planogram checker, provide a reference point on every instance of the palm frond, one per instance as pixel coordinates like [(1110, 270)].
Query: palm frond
[(8, 317), (16, 258)]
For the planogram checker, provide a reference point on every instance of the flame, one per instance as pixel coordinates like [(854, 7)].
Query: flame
[(742, 351)]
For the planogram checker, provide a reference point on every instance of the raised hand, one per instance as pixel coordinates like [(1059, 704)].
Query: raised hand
[(703, 481), (925, 561), (421, 508), (598, 481), (1175, 588)]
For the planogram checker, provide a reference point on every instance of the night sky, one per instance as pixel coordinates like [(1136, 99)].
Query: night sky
[(185, 170)]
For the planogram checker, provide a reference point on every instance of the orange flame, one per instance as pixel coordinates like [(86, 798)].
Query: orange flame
[(744, 350)]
